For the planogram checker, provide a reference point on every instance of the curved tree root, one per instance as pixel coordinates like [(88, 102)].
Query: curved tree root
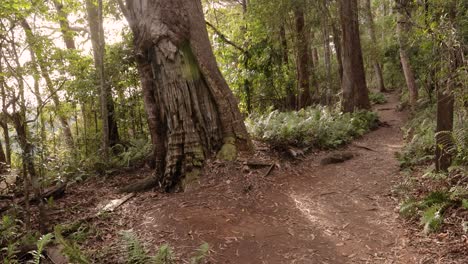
[(141, 186)]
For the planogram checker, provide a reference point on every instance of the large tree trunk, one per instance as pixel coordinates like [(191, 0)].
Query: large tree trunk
[(355, 94), (303, 60), (403, 28), (374, 55), (191, 111)]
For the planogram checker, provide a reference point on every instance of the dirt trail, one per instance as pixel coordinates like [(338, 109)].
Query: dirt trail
[(303, 212)]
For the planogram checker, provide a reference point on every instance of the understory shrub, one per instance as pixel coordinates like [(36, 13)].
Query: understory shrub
[(319, 127), (420, 136), (377, 98), (138, 254)]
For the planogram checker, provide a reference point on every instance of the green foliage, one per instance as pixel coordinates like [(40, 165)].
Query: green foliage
[(377, 98), (9, 238), (41, 244), (134, 155), (70, 248), (201, 254), (319, 127), (137, 254), (164, 255), (431, 208), (433, 218)]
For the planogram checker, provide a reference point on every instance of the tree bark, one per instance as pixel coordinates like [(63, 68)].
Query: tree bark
[(326, 52), (67, 34), (445, 98), (303, 60), (110, 135), (3, 121), (355, 94), (403, 28), (2, 158), (374, 55), (191, 111)]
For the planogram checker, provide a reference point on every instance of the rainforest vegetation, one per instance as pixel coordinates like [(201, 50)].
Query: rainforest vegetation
[(148, 100)]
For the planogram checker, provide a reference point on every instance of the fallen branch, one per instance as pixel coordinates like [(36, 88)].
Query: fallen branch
[(269, 170), (56, 192), (363, 147), (257, 164)]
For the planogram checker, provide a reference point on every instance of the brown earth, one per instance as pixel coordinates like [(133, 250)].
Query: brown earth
[(301, 212)]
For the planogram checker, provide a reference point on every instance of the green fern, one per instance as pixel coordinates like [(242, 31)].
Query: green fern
[(136, 253), (201, 254), (164, 255), (433, 218), (320, 127), (70, 249), (377, 98), (41, 244), (409, 208), (465, 204)]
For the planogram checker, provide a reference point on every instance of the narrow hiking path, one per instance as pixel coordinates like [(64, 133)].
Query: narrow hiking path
[(303, 212)]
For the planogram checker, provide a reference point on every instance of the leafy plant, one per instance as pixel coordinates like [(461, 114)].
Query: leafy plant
[(431, 207), (377, 98), (201, 254), (41, 244), (136, 253), (9, 239), (320, 127), (70, 249), (164, 255)]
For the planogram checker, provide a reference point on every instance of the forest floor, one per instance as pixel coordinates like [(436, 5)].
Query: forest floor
[(301, 212)]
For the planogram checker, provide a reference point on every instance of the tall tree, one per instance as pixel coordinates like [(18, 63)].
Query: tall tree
[(445, 95), (303, 58), (191, 110), (403, 29), (110, 135), (355, 94), (374, 50)]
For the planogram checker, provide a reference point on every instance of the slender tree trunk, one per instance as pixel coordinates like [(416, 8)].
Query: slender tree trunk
[(37, 94), (95, 21), (339, 48), (403, 28), (355, 94), (3, 161), (3, 121), (445, 98), (30, 38), (247, 84), (326, 53), (191, 110), (303, 60), (67, 34), (375, 50), (284, 45)]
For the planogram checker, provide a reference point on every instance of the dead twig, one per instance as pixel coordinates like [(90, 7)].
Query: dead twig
[(363, 147), (269, 170)]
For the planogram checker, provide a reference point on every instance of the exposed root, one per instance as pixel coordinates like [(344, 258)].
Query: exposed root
[(141, 186)]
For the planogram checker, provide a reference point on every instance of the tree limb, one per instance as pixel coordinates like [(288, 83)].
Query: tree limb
[(224, 38)]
